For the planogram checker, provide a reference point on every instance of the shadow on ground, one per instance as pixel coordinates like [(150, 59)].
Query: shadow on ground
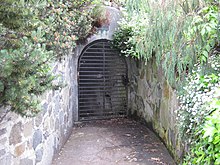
[(113, 142)]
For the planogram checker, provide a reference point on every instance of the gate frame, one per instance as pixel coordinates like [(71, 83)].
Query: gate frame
[(104, 32), (125, 61)]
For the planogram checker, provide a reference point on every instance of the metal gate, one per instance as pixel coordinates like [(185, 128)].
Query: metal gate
[(102, 82)]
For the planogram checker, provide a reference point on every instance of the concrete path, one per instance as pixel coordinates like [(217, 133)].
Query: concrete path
[(113, 142)]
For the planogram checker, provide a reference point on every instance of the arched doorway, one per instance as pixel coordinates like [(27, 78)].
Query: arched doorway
[(102, 82)]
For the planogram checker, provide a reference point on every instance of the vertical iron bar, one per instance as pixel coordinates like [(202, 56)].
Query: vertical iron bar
[(100, 82)]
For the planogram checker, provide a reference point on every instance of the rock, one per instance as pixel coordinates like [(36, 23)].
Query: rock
[(3, 141), (2, 131), (28, 129), (26, 162), (142, 74), (45, 108), (6, 160), (61, 117), (57, 104), (15, 135), (50, 110), (19, 150), (52, 124), (37, 139), (2, 152), (57, 124), (39, 154), (38, 120)]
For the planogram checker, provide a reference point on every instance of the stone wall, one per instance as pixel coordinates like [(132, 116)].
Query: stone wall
[(28, 141), (154, 101)]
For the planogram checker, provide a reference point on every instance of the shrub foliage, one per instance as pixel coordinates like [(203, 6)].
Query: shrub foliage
[(178, 33), (206, 148), (198, 114), (32, 35)]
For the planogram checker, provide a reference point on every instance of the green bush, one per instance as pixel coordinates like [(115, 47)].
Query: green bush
[(25, 74), (121, 41), (207, 147), (194, 96), (32, 35), (177, 34), (198, 122)]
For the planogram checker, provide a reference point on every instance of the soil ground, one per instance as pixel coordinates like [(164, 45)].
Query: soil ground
[(113, 142)]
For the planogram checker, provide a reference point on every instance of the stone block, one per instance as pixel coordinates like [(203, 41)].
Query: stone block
[(158, 91), (57, 124), (148, 74), (39, 154), (3, 141), (26, 162), (171, 136), (19, 150), (52, 124), (2, 152), (71, 92), (3, 131), (44, 107), (49, 97), (38, 120), (164, 114), (37, 138), (6, 160), (57, 104), (15, 134), (50, 110), (46, 124), (142, 74), (139, 102), (167, 94), (61, 117), (28, 129), (65, 119)]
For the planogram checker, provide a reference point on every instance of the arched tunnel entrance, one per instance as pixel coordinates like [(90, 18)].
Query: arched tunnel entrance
[(102, 82)]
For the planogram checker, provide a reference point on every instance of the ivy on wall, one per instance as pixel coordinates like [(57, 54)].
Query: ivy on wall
[(32, 35)]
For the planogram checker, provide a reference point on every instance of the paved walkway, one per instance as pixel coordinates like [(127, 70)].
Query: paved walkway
[(113, 142)]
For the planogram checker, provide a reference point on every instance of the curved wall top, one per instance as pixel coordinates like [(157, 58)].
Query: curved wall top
[(106, 30)]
